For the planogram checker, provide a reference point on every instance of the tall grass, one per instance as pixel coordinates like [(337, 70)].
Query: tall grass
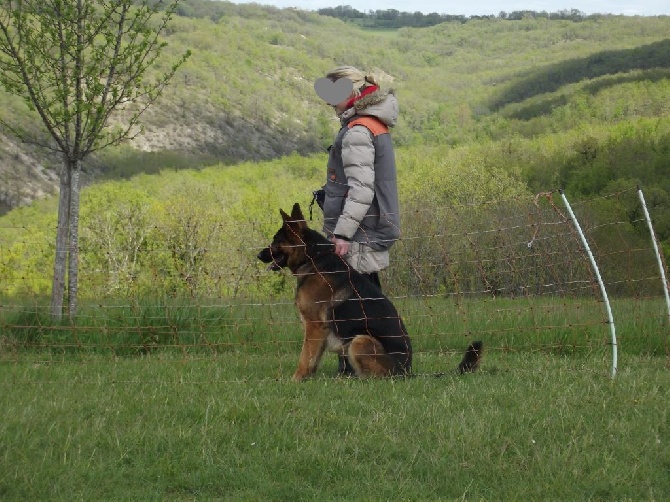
[(437, 324)]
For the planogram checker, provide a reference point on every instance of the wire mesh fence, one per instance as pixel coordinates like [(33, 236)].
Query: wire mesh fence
[(512, 273)]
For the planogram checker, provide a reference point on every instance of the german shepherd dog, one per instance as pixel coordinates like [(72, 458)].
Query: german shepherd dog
[(341, 310)]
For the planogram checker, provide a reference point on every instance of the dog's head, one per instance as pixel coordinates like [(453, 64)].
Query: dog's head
[(287, 248)]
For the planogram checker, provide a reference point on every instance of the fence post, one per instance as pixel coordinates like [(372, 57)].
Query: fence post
[(603, 291), (661, 267)]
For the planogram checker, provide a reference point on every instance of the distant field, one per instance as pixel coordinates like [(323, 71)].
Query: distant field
[(390, 32)]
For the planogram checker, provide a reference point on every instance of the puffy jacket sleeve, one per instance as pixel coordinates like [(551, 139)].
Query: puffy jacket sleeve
[(358, 159)]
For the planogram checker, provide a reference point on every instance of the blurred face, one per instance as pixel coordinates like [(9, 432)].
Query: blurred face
[(335, 91), (342, 105)]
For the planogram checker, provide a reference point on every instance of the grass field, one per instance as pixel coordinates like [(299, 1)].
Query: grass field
[(527, 427), (80, 421)]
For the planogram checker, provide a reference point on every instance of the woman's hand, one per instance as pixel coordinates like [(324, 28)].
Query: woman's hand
[(341, 246)]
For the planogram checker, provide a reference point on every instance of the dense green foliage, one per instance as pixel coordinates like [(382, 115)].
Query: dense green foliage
[(490, 109), (247, 91)]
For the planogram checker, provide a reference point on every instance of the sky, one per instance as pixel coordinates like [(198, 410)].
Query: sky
[(486, 7)]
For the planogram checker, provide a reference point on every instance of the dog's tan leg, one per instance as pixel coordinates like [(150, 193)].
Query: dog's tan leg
[(368, 358), (313, 346), (313, 302)]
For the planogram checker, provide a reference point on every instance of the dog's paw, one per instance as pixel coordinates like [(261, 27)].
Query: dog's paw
[(299, 376)]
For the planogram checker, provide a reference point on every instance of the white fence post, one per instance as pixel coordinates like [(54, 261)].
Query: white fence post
[(661, 268), (603, 291)]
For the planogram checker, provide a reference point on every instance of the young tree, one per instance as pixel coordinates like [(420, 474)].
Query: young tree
[(76, 62)]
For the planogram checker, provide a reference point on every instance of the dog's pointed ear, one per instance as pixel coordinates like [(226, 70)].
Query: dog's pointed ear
[(298, 219), (296, 222), (296, 213)]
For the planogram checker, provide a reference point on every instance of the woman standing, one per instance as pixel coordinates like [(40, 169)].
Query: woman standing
[(361, 210), (360, 207)]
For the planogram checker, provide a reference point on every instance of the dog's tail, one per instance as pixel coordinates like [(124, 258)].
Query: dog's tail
[(471, 358)]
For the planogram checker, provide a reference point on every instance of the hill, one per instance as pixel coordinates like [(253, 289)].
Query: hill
[(246, 93)]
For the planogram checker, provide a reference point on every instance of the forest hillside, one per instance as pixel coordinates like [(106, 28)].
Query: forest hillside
[(246, 93), (490, 109)]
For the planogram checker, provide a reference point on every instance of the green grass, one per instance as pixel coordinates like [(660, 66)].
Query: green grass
[(180, 401), (206, 327), (527, 427)]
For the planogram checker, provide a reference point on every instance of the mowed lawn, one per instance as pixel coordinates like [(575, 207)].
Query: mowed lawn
[(527, 426)]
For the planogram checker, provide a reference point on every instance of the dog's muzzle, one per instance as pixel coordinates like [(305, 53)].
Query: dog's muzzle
[(266, 256)]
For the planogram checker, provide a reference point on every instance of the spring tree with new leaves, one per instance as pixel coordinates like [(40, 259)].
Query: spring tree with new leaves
[(75, 63)]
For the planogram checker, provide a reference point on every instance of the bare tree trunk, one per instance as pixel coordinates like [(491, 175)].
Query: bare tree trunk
[(60, 262), (73, 266)]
